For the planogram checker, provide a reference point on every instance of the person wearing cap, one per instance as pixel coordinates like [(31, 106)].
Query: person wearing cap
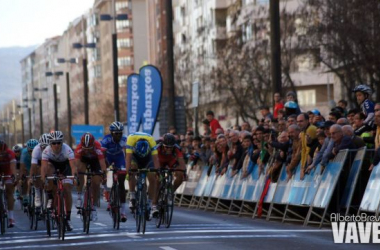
[(214, 123), (327, 146)]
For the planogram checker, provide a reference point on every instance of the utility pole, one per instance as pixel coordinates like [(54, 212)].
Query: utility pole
[(170, 63), (274, 13)]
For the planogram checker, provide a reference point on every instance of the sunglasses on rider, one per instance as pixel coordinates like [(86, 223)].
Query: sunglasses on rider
[(56, 143), (117, 133)]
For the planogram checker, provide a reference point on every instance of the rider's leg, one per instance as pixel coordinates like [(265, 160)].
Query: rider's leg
[(179, 176)]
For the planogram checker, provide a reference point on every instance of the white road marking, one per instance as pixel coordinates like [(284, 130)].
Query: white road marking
[(113, 241), (133, 236), (100, 224), (167, 248)]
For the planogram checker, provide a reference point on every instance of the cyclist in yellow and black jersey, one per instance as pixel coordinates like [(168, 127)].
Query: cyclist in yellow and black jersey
[(141, 152)]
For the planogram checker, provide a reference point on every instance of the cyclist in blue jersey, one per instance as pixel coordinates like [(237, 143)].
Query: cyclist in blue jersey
[(363, 93), (25, 165), (115, 145)]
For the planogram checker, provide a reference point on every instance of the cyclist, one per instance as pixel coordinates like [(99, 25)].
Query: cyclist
[(17, 150), (363, 93), (142, 151), (89, 152), (115, 145), (36, 166), (25, 165), (8, 167), (170, 155), (59, 156)]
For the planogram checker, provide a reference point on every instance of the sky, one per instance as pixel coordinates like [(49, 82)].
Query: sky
[(30, 22)]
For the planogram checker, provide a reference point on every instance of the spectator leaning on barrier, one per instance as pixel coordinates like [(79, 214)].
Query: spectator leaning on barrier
[(222, 155), (281, 146), (214, 124), (356, 140), (292, 119), (308, 138), (327, 146), (236, 149), (366, 135), (340, 141), (245, 157), (294, 134)]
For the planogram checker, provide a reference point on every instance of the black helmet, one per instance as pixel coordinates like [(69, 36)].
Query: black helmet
[(168, 140)]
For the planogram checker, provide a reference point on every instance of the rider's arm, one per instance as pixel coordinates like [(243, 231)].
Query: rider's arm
[(156, 162), (181, 163), (103, 166), (73, 165), (44, 166), (128, 161)]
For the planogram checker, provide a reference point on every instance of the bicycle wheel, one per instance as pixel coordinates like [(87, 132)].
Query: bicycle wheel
[(169, 206), (88, 210), (31, 208), (145, 212), (138, 211), (115, 206), (47, 222), (62, 217), (2, 212), (161, 207)]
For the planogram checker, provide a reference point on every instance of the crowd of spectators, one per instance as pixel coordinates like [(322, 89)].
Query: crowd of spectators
[(287, 137)]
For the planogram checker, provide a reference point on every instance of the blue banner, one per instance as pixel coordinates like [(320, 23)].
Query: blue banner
[(283, 188), (134, 103), (371, 197), (150, 94)]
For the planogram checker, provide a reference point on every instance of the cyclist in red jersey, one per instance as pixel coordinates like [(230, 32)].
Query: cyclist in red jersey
[(8, 167), (89, 151), (170, 155)]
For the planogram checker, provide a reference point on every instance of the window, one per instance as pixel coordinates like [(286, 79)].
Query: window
[(124, 61), (98, 71), (306, 97), (121, 5), (124, 43), (123, 80), (123, 24)]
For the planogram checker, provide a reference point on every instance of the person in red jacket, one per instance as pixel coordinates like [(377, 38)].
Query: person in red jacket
[(214, 124)]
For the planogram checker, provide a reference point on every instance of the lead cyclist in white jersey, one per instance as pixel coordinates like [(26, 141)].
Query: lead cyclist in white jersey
[(58, 156)]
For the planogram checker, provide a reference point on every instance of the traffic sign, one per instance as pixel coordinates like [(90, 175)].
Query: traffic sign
[(78, 130)]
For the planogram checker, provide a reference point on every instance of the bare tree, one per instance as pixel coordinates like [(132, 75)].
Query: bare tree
[(348, 34)]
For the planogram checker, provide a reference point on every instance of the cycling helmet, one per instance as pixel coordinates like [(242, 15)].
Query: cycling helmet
[(116, 127), (87, 140), (44, 140), (16, 149), (55, 136), (363, 88), (168, 140), (291, 105), (3, 146), (30, 144), (142, 148)]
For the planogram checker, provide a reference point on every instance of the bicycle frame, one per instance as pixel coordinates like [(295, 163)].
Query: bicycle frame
[(60, 208), (114, 197)]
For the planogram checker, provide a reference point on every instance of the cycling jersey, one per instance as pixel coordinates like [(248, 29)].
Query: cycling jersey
[(145, 162), (90, 156), (60, 160), (368, 108), (6, 158), (115, 151), (169, 159), (133, 138), (37, 155), (26, 159)]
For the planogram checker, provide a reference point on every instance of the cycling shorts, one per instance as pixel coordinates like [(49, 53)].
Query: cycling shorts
[(118, 161), (146, 162)]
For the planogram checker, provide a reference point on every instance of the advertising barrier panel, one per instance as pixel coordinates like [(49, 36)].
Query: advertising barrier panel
[(371, 197)]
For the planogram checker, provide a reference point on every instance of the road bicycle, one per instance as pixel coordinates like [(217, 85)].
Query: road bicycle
[(3, 204), (114, 198), (33, 212), (87, 207), (165, 204), (59, 212)]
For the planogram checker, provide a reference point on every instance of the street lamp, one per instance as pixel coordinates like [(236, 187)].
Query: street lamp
[(71, 60), (85, 77), (119, 17), (57, 73), (40, 102), (30, 116)]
